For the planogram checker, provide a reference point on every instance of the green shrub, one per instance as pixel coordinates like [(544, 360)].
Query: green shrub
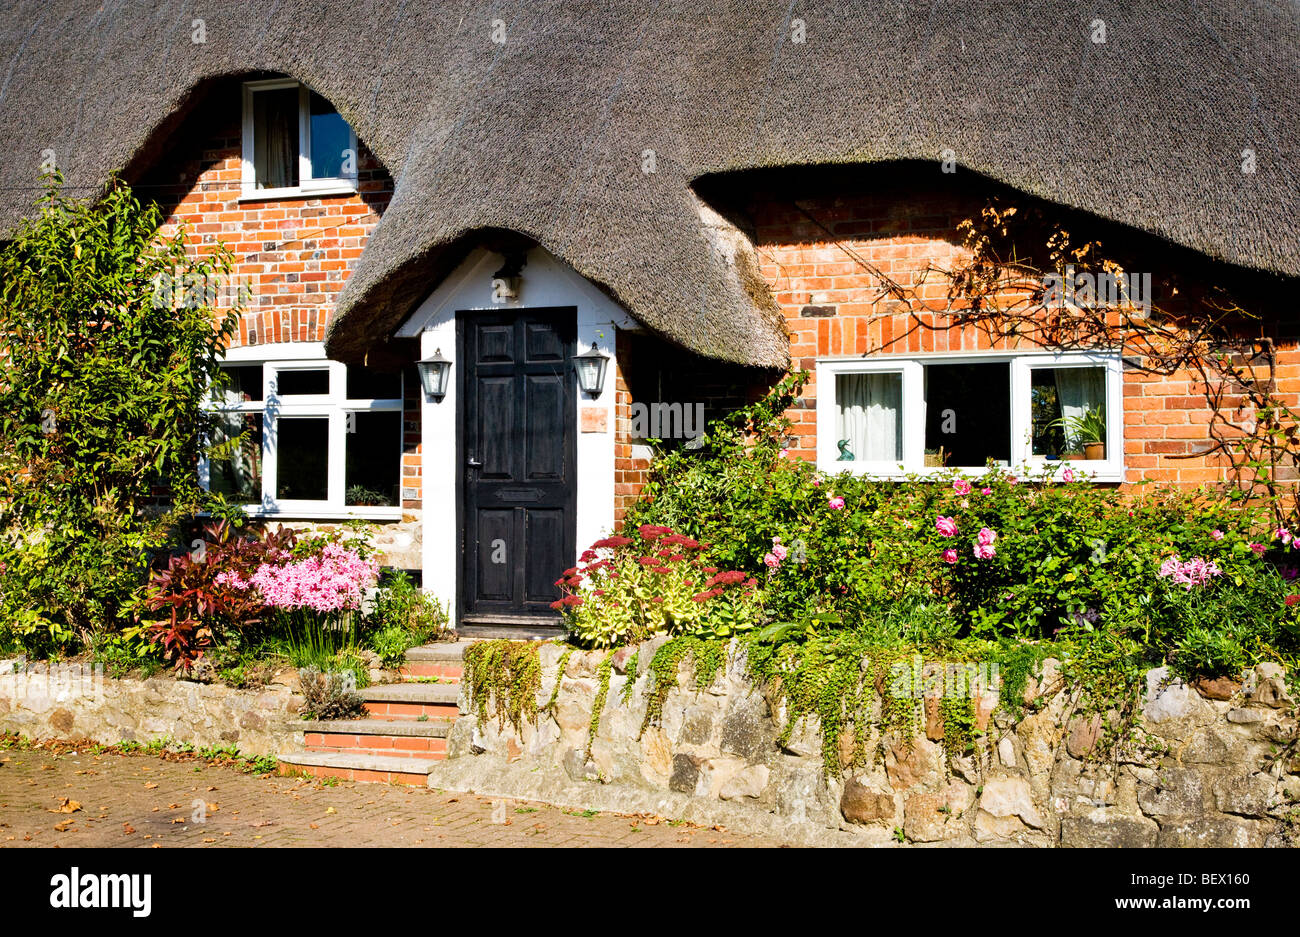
[(1031, 558), (101, 401), (400, 603), (392, 643)]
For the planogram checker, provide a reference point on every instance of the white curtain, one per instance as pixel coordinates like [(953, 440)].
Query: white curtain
[(870, 408), (1079, 390)]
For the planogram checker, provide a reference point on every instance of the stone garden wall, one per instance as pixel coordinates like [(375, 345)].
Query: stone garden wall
[(73, 702), (1217, 765)]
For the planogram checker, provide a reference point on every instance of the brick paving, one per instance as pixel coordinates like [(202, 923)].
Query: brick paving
[(143, 801)]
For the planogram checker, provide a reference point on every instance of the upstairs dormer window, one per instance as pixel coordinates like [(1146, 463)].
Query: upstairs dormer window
[(295, 142)]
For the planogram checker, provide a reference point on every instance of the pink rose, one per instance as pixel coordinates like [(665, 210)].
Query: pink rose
[(961, 486), (1216, 534), (771, 560), (985, 551), (946, 526), (986, 536), (950, 556), (986, 491), (835, 502)]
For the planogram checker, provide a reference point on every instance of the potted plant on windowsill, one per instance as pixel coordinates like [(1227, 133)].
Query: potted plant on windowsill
[(935, 458), (1086, 434)]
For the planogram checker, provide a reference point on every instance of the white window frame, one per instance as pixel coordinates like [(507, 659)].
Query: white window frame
[(307, 185), (334, 406), (911, 367)]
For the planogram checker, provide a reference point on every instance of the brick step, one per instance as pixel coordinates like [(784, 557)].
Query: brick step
[(443, 659), (400, 738), (436, 701), (445, 672), (349, 766)]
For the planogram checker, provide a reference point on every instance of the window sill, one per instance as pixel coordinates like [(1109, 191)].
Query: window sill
[(297, 192), (324, 513), (1103, 472)]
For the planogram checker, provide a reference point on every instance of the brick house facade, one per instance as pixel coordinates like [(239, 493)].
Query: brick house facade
[(814, 252)]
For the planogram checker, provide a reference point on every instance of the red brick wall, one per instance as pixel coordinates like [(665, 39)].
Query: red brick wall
[(809, 254), (294, 254)]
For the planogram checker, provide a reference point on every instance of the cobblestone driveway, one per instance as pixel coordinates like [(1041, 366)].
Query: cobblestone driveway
[(143, 801)]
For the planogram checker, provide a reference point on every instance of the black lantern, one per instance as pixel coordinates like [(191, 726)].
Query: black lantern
[(433, 375), (591, 370)]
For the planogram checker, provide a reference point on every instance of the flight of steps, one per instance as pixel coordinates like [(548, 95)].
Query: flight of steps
[(406, 732)]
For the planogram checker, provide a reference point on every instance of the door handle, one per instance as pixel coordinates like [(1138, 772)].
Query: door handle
[(475, 463)]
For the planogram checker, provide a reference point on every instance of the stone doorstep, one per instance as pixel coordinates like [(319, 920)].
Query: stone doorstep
[(358, 766), (420, 693), (447, 651), (408, 728)]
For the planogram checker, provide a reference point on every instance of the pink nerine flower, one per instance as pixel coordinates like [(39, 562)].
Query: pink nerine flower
[(986, 536), (946, 526), (1216, 534), (961, 486), (950, 556), (334, 581), (1283, 534), (1012, 480), (835, 502), (1257, 549), (1193, 572)]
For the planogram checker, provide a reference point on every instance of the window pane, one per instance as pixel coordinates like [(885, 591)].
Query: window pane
[(870, 427), (329, 138), (302, 383), (244, 383), (235, 462), (374, 461), (368, 384), (967, 414), (275, 138), (1068, 409), (302, 458)]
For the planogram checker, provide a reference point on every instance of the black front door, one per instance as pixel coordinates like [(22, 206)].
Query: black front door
[(517, 395)]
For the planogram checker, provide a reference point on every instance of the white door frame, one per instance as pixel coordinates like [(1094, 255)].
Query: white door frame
[(544, 282)]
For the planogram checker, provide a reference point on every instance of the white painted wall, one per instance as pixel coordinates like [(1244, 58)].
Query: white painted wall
[(545, 281)]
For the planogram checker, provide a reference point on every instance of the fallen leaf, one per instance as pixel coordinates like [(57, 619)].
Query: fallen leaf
[(178, 819), (62, 826), (172, 806), (213, 808), (330, 810), (149, 785), (209, 840), (313, 826), (67, 805)]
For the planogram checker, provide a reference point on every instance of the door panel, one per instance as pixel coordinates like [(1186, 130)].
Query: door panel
[(517, 449)]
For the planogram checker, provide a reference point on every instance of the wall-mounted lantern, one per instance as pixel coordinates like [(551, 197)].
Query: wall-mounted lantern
[(591, 370), (434, 372)]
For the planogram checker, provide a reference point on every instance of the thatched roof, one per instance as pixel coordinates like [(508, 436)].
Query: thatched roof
[(544, 134)]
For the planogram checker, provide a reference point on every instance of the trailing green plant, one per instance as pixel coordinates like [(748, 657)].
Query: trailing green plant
[(505, 676), (630, 685), (559, 678), (707, 655), (103, 379), (603, 673)]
